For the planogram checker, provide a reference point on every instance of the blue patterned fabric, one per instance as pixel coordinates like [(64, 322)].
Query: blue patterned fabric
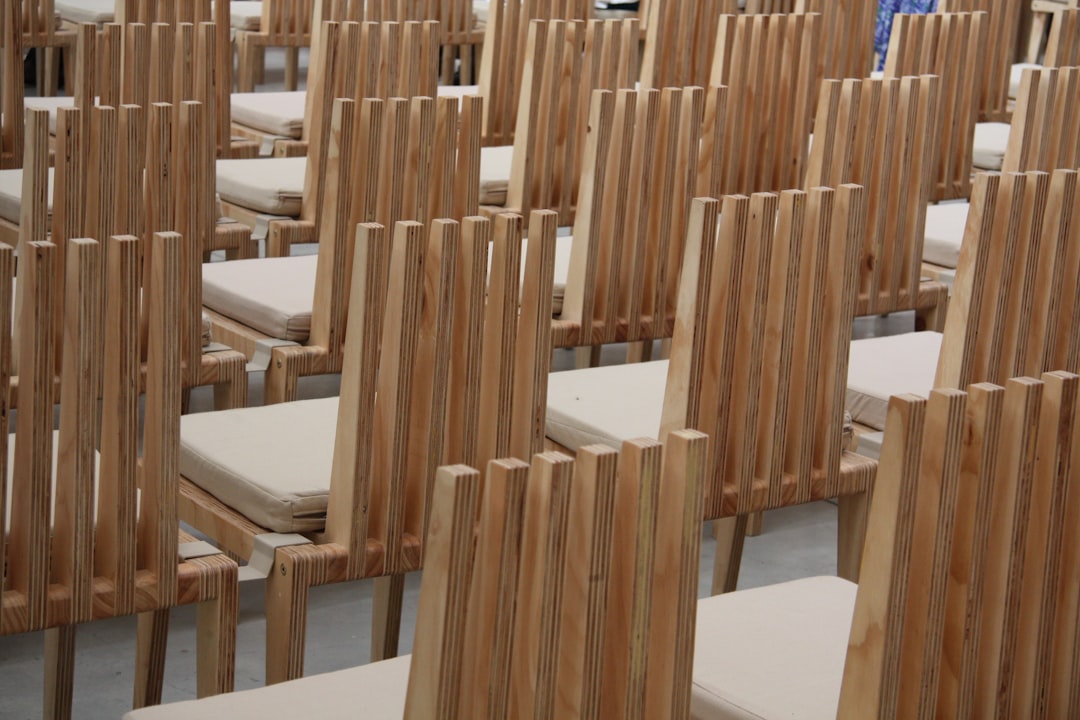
[(886, 10)]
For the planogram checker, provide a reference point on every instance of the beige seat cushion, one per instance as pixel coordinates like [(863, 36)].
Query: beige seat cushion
[(271, 295), (378, 688), (879, 368), (86, 11), (988, 148), (274, 186), (1016, 74), (277, 113), (945, 225), (774, 652), (271, 464), (606, 404), (245, 14), (495, 165), (11, 194)]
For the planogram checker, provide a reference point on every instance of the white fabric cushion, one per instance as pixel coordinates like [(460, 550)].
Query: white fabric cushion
[(495, 164), (606, 404), (774, 652), (378, 688), (271, 295), (271, 464), (86, 11), (11, 194), (245, 14), (945, 225), (274, 186), (988, 148), (881, 367), (1016, 74), (278, 113)]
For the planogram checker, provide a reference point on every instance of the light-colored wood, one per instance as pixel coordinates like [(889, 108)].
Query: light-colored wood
[(995, 62)]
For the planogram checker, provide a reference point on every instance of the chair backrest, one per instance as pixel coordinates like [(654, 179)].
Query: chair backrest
[(760, 348), (968, 594), (1063, 47), (631, 222), (769, 65), (412, 399), (991, 72), (1014, 305), (847, 36), (1045, 130), (679, 41), (951, 46), (129, 537), (502, 61), (564, 63), (562, 589), (38, 22), (879, 134)]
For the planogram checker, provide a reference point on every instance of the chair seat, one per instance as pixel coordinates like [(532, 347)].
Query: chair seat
[(495, 165), (11, 182), (273, 186), (606, 404), (86, 11), (1016, 73), (945, 225), (881, 367), (775, 652), (271, 295), (271, 464), (379, 688), (277, 113), (988, 148)]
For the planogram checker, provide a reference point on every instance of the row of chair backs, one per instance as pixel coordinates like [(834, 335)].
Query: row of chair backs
[(679, 42), (968, 595), (1063, 46), (564, 63), (880, 134), (641, 155), (525, 609), (1015, 303), (502, 62), (780, 283), (769, 65), (991, 73), (1045, 131), (414, 394), (951, 46)]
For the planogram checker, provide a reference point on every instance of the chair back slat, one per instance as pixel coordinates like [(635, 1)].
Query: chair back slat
[(992, 71), (1015, 294), (28, 542), (114, 555), (12, 89), (847, 36), (7, 275), (946, 45), (80, 382), (136, 58), (1063, 47), (1045, 132), (679, 42), (546, 613)]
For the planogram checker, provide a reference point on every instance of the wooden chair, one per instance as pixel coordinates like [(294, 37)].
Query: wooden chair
[(502, 62), (1013, 308), (42, 33), (760, 343), (680, 42), (993, 67), (948, 45), (879, 133), (966, 606), (565, 61), (461, 37), (350, 60), (548, 589), (459, 376), (68, 560), (847, 36), (1060, 16), (1044, 135), (284, 23)]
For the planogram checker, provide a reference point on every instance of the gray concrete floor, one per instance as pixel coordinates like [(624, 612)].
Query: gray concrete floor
[(797, 542)]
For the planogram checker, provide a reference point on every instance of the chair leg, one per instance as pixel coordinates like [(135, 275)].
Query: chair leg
[(59, 671), (639, 351), (215, 644), (587, 356), (286, 615), (52, 70), (245, 64), (153, 634), (755, 524), (932, 318), (852, 513), (292, 68), (281, 380), (232, 389), (730, 533), (386, 616)]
